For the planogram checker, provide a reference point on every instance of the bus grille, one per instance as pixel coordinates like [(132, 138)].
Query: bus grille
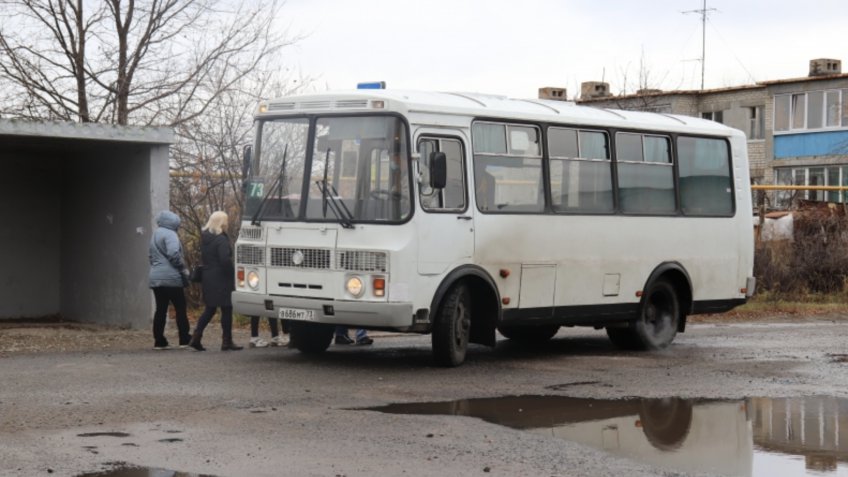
[(352, 103), (280, 106), (325, 259), (311, 258), (250, 232), (314, 105), (361, 261), (340, 104), (250, 254)]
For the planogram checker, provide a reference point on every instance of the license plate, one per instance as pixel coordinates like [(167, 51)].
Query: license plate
[(296, 314)]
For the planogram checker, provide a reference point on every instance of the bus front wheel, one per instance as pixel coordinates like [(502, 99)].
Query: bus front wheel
[(311, 338), (451, 327)]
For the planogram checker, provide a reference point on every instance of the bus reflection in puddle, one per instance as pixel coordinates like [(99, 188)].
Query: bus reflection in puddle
[(746, 437)]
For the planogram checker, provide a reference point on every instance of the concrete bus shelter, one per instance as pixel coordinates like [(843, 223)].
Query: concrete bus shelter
[(77, 205)]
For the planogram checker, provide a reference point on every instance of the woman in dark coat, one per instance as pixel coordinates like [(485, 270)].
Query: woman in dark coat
[(218, 281)]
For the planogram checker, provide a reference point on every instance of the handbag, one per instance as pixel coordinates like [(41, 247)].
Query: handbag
[(196, 275)]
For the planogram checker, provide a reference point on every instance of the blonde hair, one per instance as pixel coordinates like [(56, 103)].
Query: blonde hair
[(217, 222)]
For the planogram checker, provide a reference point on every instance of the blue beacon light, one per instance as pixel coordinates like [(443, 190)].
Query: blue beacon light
[(372, 85)]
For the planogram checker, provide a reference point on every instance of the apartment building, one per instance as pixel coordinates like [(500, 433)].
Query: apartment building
[(797, 128)]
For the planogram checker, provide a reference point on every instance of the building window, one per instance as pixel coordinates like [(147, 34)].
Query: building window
[(799, 110), (781, 112), (756, 123), (815, 110), (717, 116), (845, 107), (811, 110), (831, 109), (812, 176)]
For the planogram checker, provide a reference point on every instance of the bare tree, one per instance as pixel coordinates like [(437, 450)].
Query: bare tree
[(130, 61), (643, 94), (206, 162)]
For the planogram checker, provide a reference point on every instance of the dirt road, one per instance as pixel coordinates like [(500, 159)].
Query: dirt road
[(509, 411)]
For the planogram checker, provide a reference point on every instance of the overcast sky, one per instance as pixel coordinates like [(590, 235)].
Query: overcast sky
[(513, 47)]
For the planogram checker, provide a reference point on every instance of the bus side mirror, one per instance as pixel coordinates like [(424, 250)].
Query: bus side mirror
[(247, 154), (438, 170)]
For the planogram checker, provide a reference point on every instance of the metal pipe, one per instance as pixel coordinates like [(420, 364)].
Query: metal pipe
[(797, 187)]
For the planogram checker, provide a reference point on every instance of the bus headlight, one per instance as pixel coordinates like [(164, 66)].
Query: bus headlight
[(253, 279), (355, 287)]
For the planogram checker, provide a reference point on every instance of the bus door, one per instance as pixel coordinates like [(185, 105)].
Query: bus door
[(445, 222)]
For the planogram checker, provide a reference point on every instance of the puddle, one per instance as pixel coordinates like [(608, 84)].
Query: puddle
[(753, 437), (132, 471), (103, 434)]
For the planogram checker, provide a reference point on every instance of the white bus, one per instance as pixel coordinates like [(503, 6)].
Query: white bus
[(462, 214)]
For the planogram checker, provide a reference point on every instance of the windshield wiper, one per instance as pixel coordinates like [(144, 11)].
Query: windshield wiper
[(337, 206), (279, 180)]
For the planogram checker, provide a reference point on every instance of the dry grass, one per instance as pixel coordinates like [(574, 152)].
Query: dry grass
[(814, 263), (771, 307)]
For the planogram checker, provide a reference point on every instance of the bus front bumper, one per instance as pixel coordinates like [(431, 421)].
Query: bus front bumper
[(362, 314)]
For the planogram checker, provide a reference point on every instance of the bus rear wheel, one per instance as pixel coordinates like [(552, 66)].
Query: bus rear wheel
[(529, 334), (452, 326), (657, 323), (656, 326), (310, 338)]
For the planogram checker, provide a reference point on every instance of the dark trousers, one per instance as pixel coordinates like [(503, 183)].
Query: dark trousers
[(226, 321), (254, 326), (164, 296)]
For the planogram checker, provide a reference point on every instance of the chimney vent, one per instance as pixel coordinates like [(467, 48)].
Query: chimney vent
[(594, 89), (825, 66), (551, 92)]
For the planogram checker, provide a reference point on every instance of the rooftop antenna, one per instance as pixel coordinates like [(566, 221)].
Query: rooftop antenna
[(703, 11)]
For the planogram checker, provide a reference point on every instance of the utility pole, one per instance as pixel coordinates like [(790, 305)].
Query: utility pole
[(703, 11)]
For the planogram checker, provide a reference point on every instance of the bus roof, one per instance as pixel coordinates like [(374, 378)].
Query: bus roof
[(487, 106)]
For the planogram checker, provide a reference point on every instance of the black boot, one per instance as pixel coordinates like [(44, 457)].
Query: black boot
[(195, 342), (228, 345)]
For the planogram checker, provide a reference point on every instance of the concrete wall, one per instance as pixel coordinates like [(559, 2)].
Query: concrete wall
[(106, 218), (30, 196)]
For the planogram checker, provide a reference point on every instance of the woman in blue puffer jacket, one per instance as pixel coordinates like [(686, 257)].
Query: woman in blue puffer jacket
[(168, 277)]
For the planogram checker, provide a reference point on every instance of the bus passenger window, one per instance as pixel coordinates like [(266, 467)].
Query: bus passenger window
[(645, 174), (581, 172), (508, 179), (706, 187)]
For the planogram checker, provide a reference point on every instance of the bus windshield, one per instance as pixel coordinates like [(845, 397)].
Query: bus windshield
[(357, 170)]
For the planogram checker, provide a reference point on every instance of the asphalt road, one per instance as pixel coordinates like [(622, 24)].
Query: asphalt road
[(276, 412)]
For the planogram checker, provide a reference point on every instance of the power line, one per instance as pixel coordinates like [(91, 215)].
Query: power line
[(730, 47), (703, 11)]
